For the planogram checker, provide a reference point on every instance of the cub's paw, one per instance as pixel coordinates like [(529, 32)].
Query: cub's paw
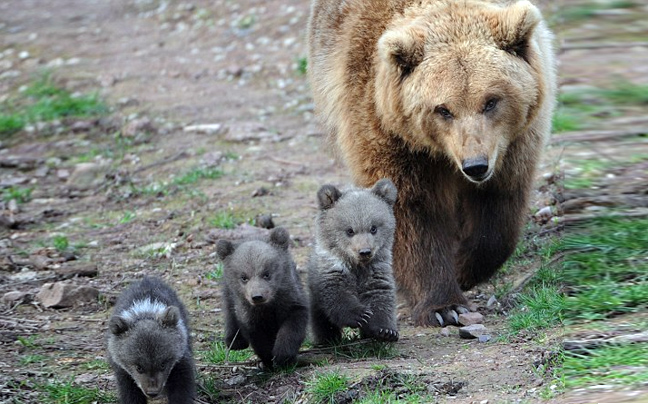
[(281, 360), (439, 316), (387, 335), (360, 317)]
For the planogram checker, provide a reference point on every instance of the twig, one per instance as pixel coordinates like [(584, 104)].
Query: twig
[(597, 135), (581, 345), (594, 45), (282, 161), (162, 162)]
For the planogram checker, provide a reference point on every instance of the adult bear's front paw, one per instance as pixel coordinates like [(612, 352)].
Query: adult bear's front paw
[(425, 315)]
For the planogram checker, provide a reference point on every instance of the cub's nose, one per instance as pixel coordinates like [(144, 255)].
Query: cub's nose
[(257, 299), (365, 252), (475, 168)]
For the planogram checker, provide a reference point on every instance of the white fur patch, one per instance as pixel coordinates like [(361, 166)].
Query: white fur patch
[(141, 307)]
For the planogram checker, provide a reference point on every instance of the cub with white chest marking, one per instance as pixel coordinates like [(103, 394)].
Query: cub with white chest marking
[(264, 302), (350, 272), (149, 347)]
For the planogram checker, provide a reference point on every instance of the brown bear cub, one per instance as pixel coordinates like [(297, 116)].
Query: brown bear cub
[(264, 303), (149, 347), (350, 271)]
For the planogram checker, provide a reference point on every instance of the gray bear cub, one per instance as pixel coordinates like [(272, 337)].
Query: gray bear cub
[(264, 302), (149, 346), (350, 270)]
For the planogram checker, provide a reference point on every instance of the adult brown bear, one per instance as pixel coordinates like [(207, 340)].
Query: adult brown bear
[(452, 100)]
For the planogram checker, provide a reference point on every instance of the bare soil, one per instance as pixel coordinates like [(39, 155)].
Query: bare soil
[(167, 65)]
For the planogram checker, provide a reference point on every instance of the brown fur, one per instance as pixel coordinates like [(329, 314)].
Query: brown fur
[(416, 91)]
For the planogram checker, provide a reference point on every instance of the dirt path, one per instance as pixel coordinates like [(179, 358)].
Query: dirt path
[(167, 65)]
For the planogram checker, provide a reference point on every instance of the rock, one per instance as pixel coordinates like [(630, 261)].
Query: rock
[(207, 128), (17, 297), (40, 262), (263, 191), (76, 269), (137, 126), (445, 332), (63, 174), (472, 331), (58, 295), (543, 215), (250, 131), (491, 301), (470, 318), (88, 175), (264, 221), (484, 338)]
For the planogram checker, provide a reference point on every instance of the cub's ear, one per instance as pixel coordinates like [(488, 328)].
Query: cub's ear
[(385, 190), (280, 237), (403, 47), (327, 196), (169, 317), (514, 26), (118, 325), (224, 248)]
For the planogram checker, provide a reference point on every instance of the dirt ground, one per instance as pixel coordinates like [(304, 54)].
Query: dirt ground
[(165, 66)]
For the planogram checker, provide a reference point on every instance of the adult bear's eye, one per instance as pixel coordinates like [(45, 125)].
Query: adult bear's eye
[(490, 105), (444, 112), (373, 230), (244, 278), (350, 232)]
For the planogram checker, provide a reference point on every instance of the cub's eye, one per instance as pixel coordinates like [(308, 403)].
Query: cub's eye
[(266, 276), (490, 104), (444, 112), (350, 232), (373, 230), (139, 369), (244, 278)]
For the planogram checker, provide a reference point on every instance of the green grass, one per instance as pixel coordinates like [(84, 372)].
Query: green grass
[(325, 385), (127, 217), (218, 353), (32, 358), (605, 270), (302, 65), (617, 365), (224, 220), (216, 273), (61, 243), (19, 194), (365, 349), (43, 100), (589, 10), (197, 174), (59, 392)]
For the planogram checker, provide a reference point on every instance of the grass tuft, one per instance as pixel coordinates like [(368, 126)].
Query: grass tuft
[(219, 353), (324, 386)]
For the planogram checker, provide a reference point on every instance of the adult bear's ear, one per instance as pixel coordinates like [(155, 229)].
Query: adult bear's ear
[(513, 28), (327, 196), (280, 237), (224, 248), (385, 190), (403, 47)]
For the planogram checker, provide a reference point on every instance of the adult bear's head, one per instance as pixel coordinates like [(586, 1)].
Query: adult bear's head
[(464, 79)]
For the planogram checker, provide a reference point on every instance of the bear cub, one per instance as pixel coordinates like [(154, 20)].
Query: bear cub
[(264, 303), (149, 346), (350, 270)]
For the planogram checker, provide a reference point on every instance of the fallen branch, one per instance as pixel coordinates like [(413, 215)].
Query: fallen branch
[(593, 343), (608, 45), (597, 135)]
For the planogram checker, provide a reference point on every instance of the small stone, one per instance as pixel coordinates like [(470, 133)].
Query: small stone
[(88, 175), (472, 331), (207, 128), (263, 191), (543, 214), (58, 295), (470, 318), (491, 301), (484, 338), (16, 297), (63, 174), (137, 126), (264, 221), (40, 262), (445, 332)]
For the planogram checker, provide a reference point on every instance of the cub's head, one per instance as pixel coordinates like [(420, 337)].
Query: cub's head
[(357, 225), (464, 79), (147, 341), (255, 270)]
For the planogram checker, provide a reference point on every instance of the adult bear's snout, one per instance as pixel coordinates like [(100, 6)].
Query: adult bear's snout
[(475, 168)]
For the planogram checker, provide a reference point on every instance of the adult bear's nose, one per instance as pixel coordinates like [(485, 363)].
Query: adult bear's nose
[(475, 168)]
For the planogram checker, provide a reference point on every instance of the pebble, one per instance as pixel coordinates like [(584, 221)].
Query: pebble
[(471, 318), (472, 331)]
